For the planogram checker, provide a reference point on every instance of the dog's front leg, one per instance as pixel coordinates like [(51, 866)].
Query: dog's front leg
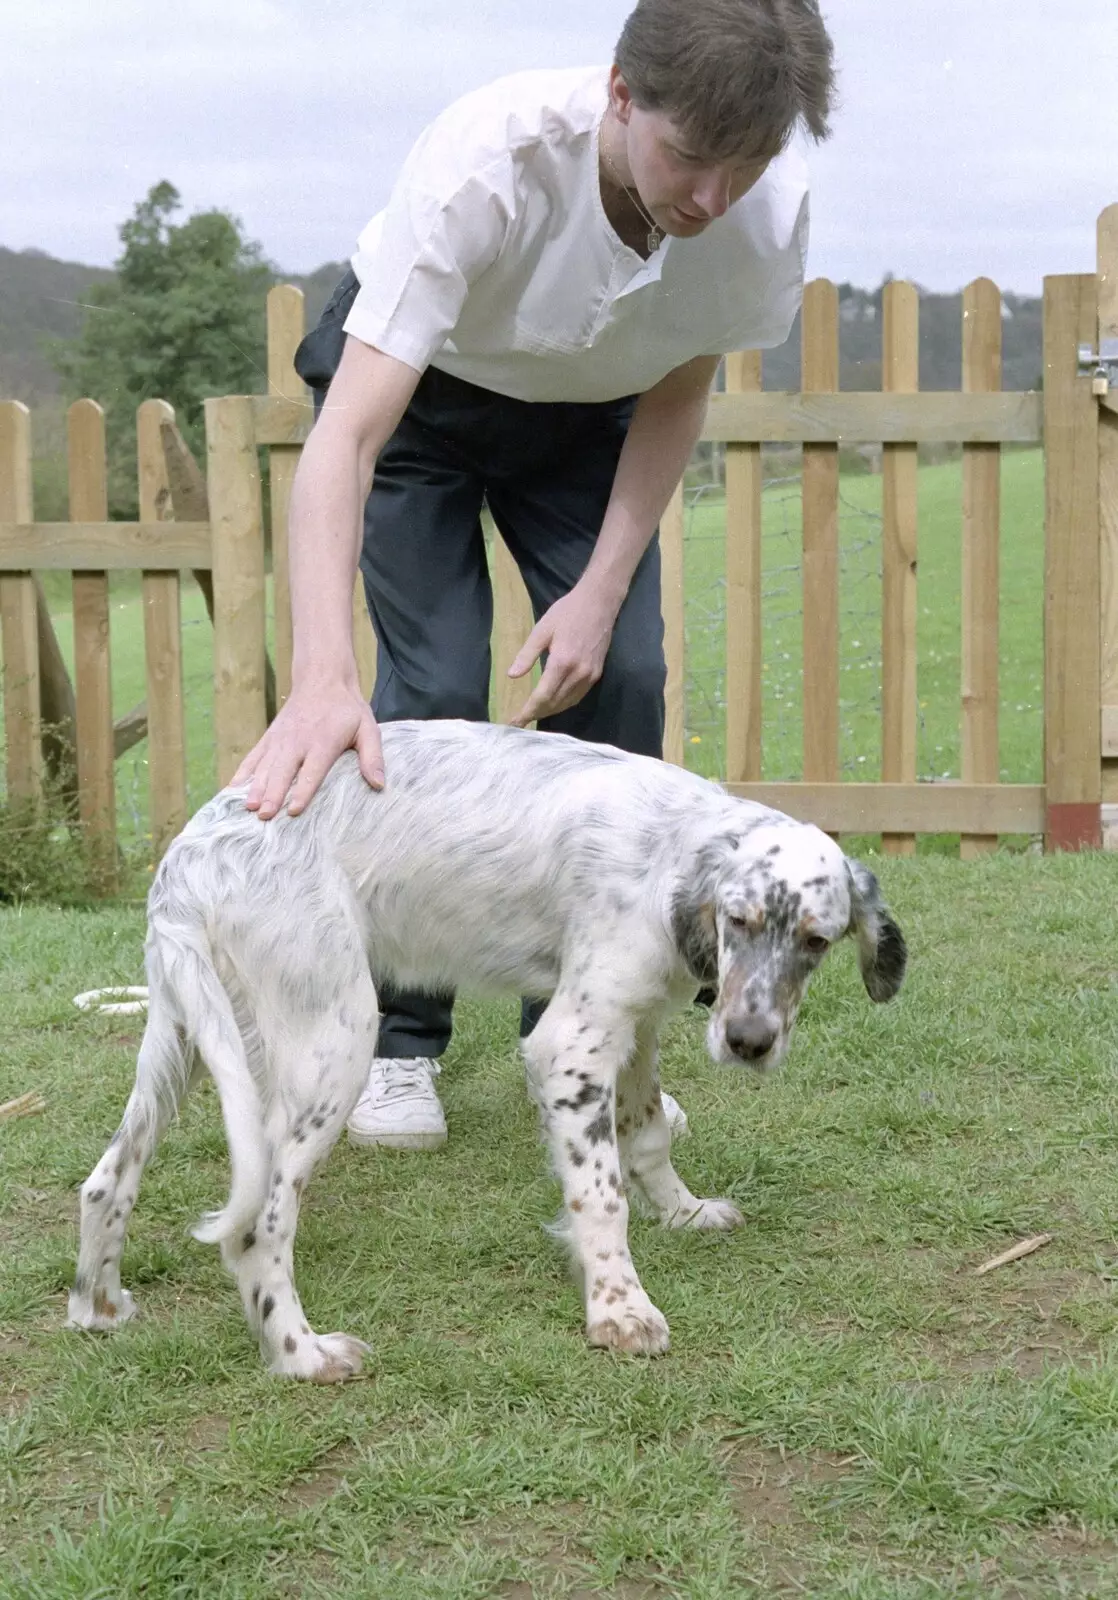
[(573, 1061), (645, 1143)]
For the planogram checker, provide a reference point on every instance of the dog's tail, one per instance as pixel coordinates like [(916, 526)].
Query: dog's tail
[(189, 1009)]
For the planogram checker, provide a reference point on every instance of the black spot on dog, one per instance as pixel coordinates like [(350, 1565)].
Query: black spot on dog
[(601, 1129), (267, 1308)]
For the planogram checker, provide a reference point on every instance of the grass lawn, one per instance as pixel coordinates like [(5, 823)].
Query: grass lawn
[(847, 1409)]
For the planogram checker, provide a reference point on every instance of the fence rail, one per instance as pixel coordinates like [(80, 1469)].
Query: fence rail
[(218, 533)]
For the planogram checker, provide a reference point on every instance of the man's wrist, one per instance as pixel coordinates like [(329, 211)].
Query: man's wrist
[(323, 676)]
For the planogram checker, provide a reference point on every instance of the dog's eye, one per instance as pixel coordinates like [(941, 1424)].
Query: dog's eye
[(740, 923), (816, 943)]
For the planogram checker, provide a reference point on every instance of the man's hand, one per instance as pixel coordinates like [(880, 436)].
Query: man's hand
[(315, 726), (575, 632)]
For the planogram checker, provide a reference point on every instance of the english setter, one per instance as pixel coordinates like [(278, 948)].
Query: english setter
[(495, 860)]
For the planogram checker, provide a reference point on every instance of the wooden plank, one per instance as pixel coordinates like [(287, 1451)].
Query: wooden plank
[(512, 623), (744, 482), (103, 546), (745, 418), (675, 633), (18, 621), (903, 808), (162, 603), (867, 418), (1109, 718), (820, 373), (1072, 599), (982, 370), (191, 502), (93, 684), (56, 708), (1107, 302), (900, 372), (281, 421), (233, 477), (286, 326)]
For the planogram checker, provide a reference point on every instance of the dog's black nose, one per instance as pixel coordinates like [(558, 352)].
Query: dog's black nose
[(750, 1038)]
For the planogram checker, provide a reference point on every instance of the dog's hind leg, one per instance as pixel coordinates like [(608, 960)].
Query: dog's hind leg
[(318, 1026), (165, 1069), (644, 1140)]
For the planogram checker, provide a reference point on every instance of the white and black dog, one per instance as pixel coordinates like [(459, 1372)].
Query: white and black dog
[(495, 860)]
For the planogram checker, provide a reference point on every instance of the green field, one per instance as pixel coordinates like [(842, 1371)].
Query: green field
[(938, 636)]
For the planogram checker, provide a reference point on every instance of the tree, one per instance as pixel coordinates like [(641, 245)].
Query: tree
[(183, 319)]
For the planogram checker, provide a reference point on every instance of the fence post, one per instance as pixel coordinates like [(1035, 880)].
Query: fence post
[(820, 374), (1072, 596), (512, 623), (744, 476), (162, 642), (18, 619), (286, 326), (93, 687), (982, 371), (237, 524), (1107, 281), (900, 372)]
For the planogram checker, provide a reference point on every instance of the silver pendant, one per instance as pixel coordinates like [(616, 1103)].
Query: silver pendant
[(655, 240)]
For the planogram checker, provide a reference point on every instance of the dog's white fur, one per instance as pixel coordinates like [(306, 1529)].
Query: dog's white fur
[(496, 860)]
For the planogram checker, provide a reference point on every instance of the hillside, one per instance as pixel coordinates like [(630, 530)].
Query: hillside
[(41, 298)]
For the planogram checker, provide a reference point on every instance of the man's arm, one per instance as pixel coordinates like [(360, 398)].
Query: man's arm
[(576, 630), (325, 712)]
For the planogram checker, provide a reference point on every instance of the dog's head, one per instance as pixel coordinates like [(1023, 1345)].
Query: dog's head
[(760, 913)]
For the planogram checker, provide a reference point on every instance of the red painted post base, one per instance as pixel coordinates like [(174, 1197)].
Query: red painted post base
[(1074, 827)]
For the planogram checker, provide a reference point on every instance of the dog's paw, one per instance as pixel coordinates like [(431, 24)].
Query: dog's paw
[(640, 1331), (99, 1312), (708, 1214), (320, 1357)]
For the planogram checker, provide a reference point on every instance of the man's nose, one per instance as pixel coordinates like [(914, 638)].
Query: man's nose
[(712, 195)]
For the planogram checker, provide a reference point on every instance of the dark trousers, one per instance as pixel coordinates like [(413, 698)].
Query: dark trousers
[(545, 470)]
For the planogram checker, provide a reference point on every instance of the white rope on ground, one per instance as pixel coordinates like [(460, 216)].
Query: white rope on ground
[(109, 1001)]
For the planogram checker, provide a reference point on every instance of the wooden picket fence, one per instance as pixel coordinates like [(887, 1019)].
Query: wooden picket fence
[(215, 527)]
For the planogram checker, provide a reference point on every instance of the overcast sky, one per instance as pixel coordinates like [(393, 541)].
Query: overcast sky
[(973, 137)]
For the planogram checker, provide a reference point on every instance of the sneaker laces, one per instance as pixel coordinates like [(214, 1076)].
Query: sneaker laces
[(401, 1078)]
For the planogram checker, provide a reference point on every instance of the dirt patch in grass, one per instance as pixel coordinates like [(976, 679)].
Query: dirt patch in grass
[(326, 1480), (764, 1483), (620, 1589), (207, 1433)]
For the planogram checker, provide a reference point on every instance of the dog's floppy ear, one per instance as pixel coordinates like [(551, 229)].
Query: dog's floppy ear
[(882, 952), (693, 925), (696, 935)]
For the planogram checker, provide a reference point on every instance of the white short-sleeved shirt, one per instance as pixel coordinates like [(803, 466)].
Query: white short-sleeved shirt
[(494, 260)]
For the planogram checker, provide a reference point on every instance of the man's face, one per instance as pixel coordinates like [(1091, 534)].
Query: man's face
[(683, 189)]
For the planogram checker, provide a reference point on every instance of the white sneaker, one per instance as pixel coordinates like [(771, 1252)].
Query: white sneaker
[(677, 1117), (399, 1107)]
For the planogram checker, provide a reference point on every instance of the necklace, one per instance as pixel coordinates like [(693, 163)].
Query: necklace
[(655, 236)]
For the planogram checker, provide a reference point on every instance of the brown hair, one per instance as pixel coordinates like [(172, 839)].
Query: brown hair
[(736, 76)]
